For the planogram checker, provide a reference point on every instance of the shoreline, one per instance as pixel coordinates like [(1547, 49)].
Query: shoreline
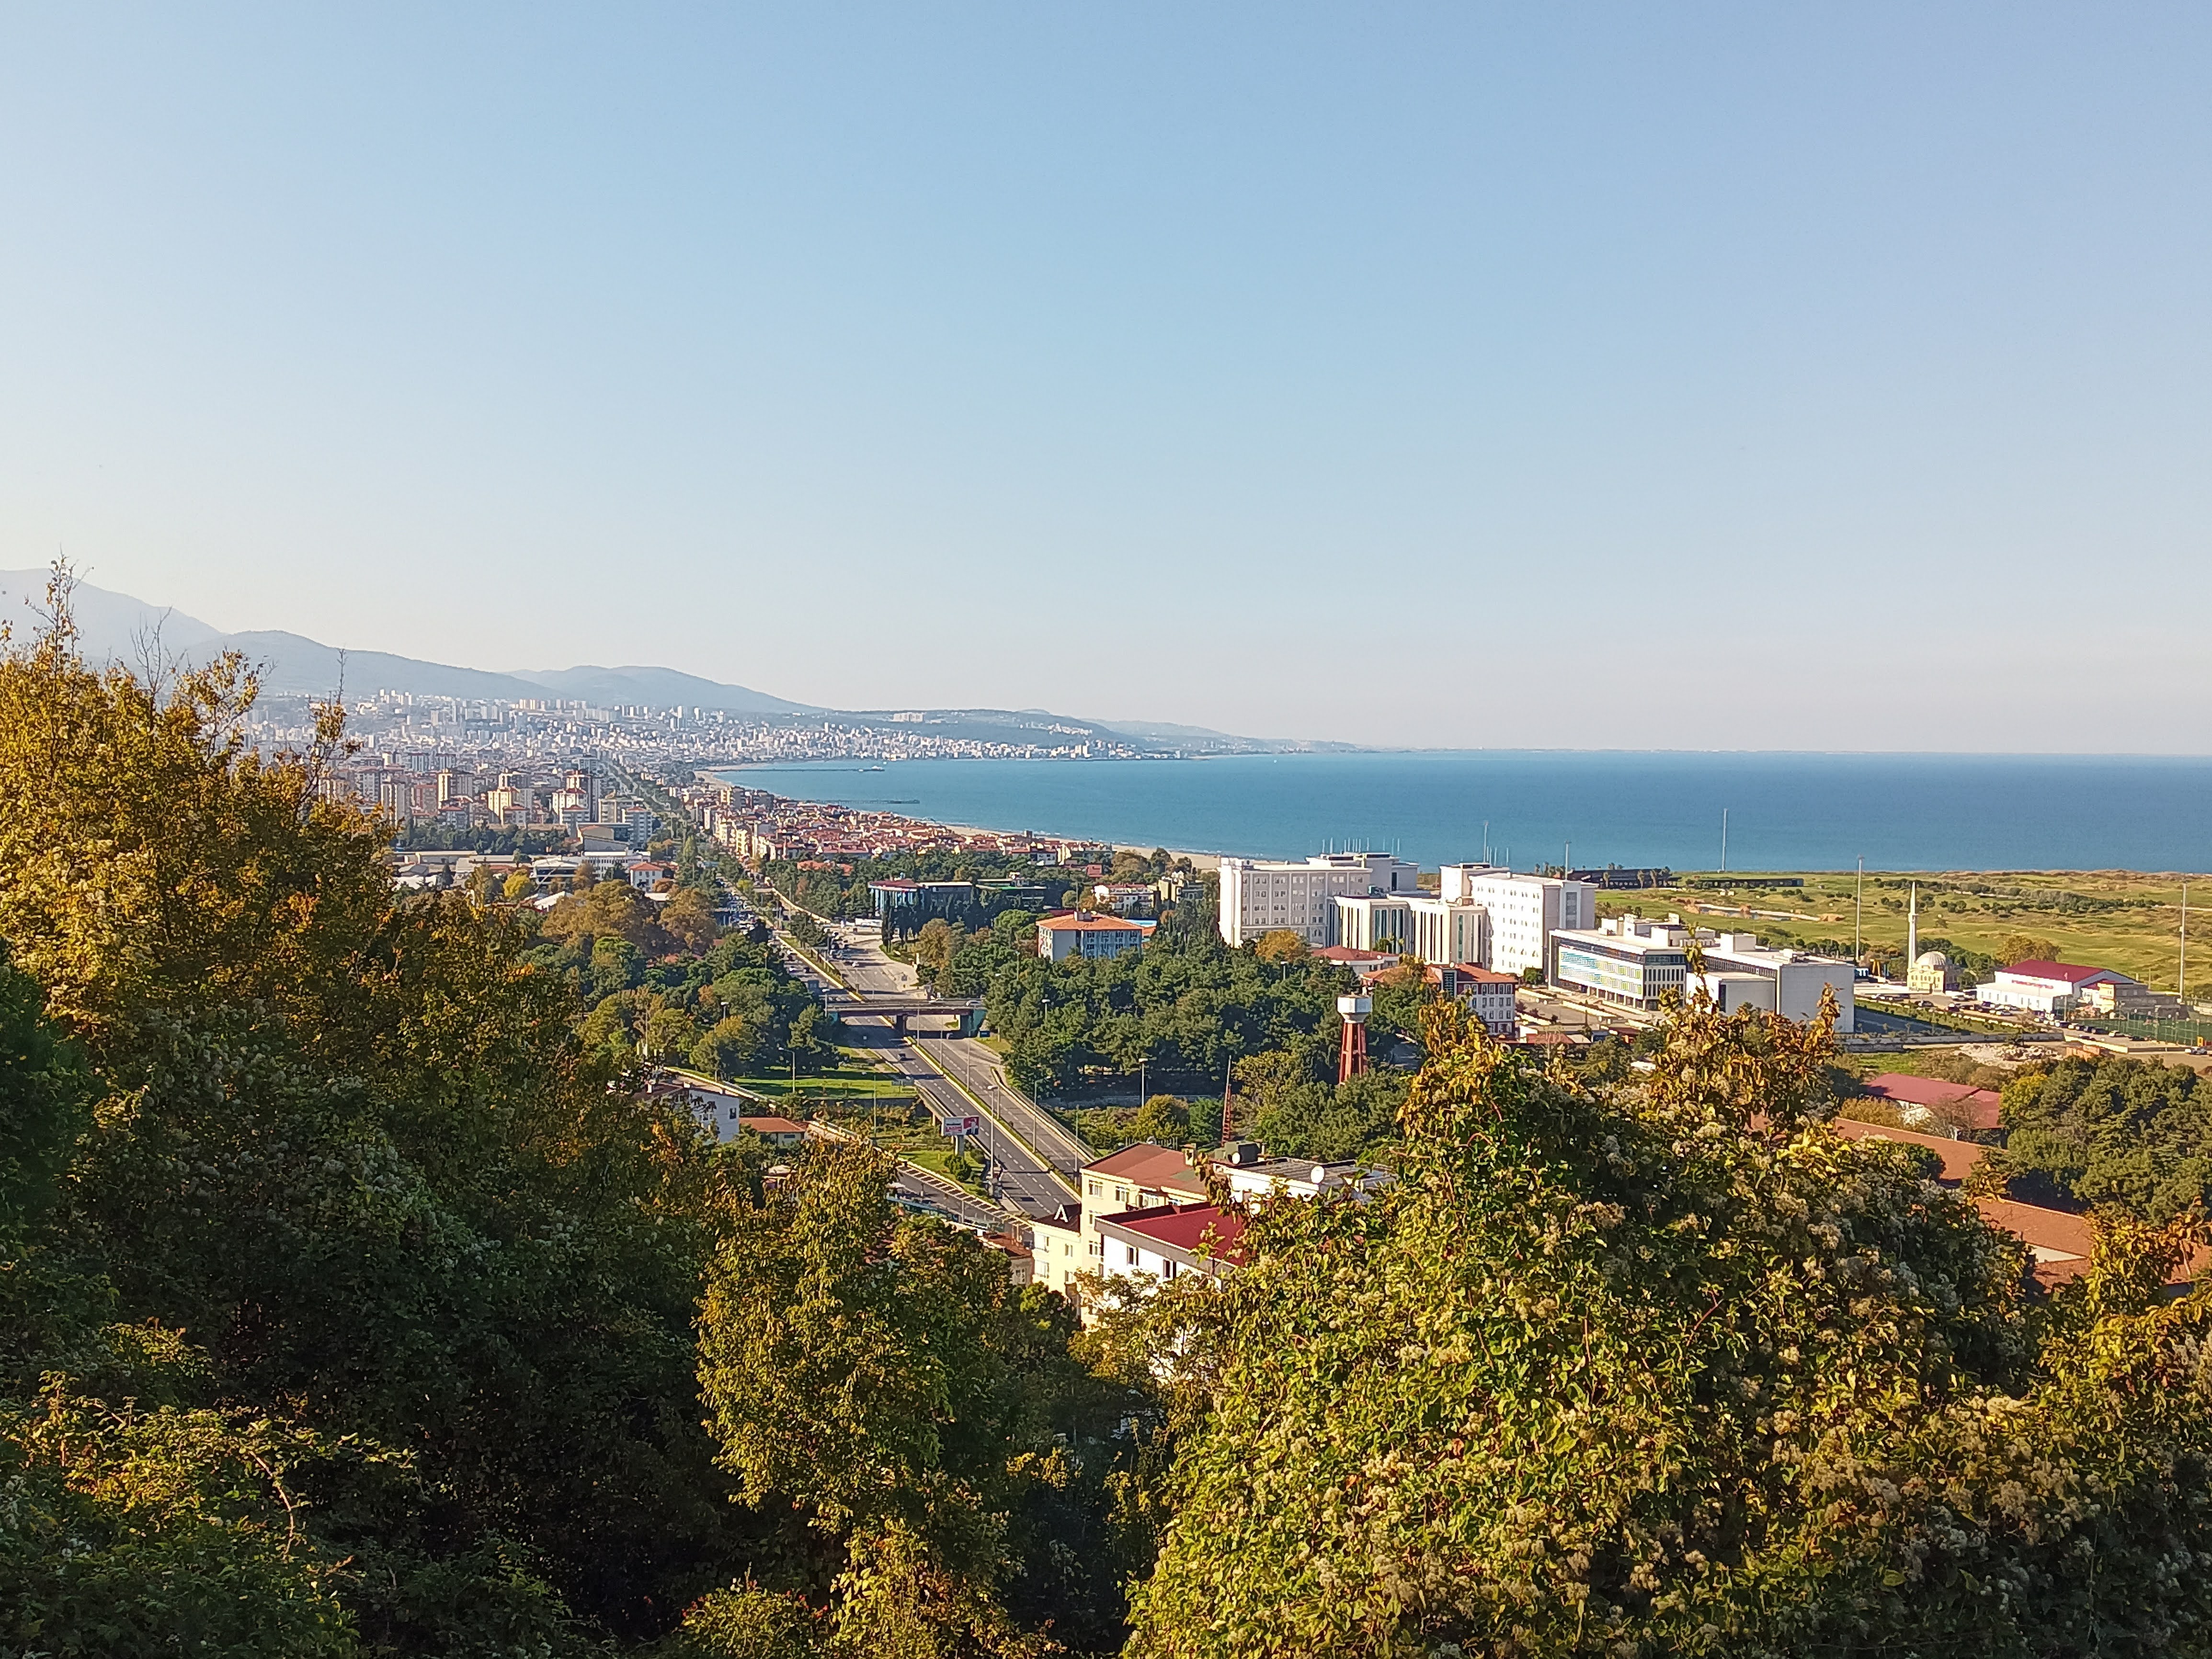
[(1786, 814)]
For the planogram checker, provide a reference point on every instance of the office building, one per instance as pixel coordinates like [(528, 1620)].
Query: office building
[(1261, 896), (1523, 913), (1740, 974), (1624, 960)]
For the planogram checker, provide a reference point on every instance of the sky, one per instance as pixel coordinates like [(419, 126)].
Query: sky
[(1697, 376)]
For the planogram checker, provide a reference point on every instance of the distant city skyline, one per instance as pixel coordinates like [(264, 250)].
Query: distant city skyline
[(1719, 377)]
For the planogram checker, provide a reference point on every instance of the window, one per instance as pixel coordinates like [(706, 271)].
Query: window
[(1130, 1250)]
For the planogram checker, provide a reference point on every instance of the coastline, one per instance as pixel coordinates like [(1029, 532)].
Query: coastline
[(1785, 813)]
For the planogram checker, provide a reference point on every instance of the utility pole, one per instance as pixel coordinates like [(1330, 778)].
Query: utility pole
[(1724, 840), (1858, 910), (2181, 988)]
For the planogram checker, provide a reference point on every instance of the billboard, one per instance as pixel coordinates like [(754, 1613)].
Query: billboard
[(958, 1126)]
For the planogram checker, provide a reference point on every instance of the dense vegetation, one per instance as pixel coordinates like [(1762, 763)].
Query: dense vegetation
[(662, 987), (2130, 1133), (1675, 1371), (351, 1303), (348, 1304), (1187, 1005)]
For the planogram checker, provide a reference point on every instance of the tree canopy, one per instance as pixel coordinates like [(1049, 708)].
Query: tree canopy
[(1671, 1370)]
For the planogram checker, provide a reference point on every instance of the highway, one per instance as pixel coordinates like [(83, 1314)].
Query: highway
[(1014, 1128)]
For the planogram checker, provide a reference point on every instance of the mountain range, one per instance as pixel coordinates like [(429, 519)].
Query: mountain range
[(115, 627)]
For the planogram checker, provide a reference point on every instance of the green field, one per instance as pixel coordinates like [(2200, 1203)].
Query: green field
[(2115, 919), (853, 1083)]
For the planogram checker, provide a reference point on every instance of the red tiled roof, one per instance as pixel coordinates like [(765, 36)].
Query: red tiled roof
[(2061, 1241), (2058, 1240), (1141, 1163), (1088, 924), (772, 1125), (1486, 975), (1958, 1155), (1189, 1226), (1348, 956), (2035, 968), (1982, 1106)]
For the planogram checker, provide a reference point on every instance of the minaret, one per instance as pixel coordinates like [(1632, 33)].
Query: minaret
[(1912, 931)]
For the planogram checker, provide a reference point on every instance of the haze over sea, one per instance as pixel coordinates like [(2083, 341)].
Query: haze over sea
[(1786, 811)]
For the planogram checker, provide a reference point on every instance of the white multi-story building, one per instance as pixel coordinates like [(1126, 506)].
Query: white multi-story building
[(1420, 925), (1624, 960), (1261, 896), (1738, 974), (1524, 912)]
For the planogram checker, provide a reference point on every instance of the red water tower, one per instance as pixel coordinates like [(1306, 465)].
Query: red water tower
[(1354, 1060)]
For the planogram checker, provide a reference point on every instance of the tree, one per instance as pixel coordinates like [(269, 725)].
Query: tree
[(2025, 947), (688, 919), (1676, 1369), (876, 1375), (732, 1049), (617, 964), (1281, 947), (1164, 1119), (518, 886), (2130, 1133), (347, 1140)]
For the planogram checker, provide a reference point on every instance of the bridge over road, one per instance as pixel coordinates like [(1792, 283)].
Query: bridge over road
[(899, 1009)]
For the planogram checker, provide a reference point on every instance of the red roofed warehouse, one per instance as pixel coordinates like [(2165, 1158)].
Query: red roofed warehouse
[(2044, 988)]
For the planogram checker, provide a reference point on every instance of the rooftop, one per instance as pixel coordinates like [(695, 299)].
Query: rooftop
[(1080, 923), (1189, 1227), (1959, 1157), (1144, 1162), (1983, 1104), (2071, 973)]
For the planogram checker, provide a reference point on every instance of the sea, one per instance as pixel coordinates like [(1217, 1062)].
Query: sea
[(1586, 808)]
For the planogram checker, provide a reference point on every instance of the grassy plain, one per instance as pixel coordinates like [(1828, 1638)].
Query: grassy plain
[(2118, 919)]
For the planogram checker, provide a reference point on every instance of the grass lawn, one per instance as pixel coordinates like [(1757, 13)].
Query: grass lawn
[(2116, 919), (855, 1084)]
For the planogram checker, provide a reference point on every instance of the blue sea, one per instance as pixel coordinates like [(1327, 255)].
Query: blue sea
[(1785, 811)]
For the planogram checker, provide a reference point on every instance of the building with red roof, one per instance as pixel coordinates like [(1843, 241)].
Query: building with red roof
[(1958, 1104), (1957, 1158), (2049, 988), (1172, 1240)]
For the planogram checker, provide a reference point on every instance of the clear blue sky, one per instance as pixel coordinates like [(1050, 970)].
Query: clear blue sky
[(1734, 376)]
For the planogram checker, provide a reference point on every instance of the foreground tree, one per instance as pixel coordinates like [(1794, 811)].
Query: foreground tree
[(877, 1377), (338, 1157), (1678, 1371)]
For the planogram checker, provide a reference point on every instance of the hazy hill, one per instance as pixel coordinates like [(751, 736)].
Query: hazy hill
[(116, 627), (658, 687)]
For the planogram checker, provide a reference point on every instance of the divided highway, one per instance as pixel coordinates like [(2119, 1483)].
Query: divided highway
[(1034, 1157)]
